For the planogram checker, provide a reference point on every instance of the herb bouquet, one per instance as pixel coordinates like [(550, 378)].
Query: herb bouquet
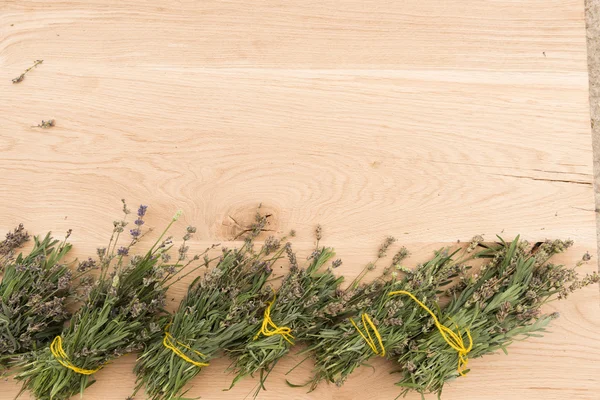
[(119, 311), (493, 308), (381, 322), (220, 308), (33, 291), (298, 310)]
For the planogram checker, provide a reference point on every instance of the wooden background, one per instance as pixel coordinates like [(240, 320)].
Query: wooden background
[(429, 120)]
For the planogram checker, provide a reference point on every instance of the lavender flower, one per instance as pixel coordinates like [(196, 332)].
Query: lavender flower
[(101, 251), (64, 282), (86, 265), (136, 232), (14, 240), (142, 211)]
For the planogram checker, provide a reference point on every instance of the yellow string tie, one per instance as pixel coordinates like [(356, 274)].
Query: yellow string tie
[(268, 327), (171, 343), (61, 356), (454, 339), (367, 323)]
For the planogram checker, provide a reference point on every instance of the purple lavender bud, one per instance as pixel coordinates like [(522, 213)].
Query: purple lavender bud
[(123, 251), (139, 222), (142, 210), (135, 233), (86, 265)]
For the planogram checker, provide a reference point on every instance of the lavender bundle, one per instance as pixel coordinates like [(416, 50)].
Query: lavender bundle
[(380, 321), (500, 304), (120, 311), (32, 293), (220, 308), (297, 311)]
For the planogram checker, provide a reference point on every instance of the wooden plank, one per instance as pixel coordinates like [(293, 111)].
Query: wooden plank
[(429, 121), (492, 35)]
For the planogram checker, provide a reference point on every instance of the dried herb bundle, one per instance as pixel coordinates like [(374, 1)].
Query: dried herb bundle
[(298, 310), (220, 308), (119, 313), (498, 305), (380, 323), (32, 293)]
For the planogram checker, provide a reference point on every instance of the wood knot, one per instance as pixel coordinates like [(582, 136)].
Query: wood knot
[(239, 222)]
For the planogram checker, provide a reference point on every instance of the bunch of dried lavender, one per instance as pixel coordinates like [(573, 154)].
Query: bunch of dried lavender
[(219, 309), (296, 312), (116, 317), (376, 322), (498, 305), (32, 293)]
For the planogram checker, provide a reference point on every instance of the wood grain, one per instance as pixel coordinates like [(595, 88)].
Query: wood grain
[(432, 121)]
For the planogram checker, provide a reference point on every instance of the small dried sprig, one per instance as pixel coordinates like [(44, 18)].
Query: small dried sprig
[(118, 315), (382, 253), (33, 294), (318, 234), (45, 124), (498, 305), (21, 77)]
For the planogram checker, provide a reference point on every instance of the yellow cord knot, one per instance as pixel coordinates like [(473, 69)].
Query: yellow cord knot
[(454, 339), (61, 356), (367, 323), (268, 327), (171, 343)]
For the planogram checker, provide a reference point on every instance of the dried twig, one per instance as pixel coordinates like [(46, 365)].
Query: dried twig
[(21, 77)]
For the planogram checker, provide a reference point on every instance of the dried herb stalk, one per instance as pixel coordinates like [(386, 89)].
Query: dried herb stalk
[(21, 77), (120, 311), (498, 305)]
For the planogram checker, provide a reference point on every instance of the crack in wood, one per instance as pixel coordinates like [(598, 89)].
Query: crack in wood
[(546, 179)]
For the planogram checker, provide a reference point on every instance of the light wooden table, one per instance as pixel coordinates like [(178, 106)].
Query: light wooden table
[(429, 120)]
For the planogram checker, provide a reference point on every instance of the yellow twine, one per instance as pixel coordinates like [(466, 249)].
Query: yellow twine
[(454, 339), (61, 356), (171, 343), (268, 327), (367, 323)]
